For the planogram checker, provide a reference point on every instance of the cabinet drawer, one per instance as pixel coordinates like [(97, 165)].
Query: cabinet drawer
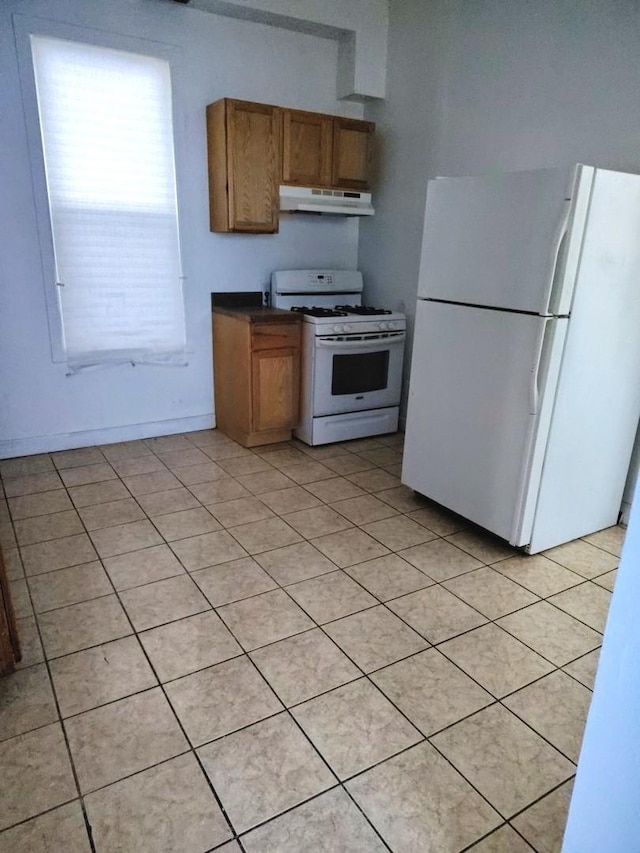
[(275, 336)]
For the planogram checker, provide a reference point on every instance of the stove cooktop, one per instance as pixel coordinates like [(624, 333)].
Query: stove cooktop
[(315, 311), (341, 311), (364, 310)]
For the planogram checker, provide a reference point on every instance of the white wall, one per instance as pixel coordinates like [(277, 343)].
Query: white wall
[(497, 84), (604, 814), (507, 84), (360, 26), (40, 407)]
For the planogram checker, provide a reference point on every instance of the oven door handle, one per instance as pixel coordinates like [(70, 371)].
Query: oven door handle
[(368, 343)]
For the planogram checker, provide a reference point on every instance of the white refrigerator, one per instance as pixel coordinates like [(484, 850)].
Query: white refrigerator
[(524, 394)]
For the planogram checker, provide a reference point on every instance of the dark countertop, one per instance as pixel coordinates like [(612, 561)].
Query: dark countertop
[(257, 314)]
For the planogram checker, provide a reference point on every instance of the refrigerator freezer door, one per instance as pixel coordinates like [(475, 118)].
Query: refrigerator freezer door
[(495, 241), (598, 398), (481, 392)]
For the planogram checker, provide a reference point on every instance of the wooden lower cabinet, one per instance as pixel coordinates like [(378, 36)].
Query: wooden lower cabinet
[(275, 389), (256, 368)]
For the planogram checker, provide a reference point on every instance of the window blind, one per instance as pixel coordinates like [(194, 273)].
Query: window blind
[(107, 136)]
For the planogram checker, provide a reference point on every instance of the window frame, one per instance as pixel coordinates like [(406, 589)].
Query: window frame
[(26, 26)]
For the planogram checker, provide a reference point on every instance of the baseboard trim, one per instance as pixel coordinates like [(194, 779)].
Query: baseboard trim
[(110, 435)]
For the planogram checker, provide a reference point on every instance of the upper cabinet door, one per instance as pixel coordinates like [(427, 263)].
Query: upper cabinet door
[(253, 154), (306, 148), (352, 144)]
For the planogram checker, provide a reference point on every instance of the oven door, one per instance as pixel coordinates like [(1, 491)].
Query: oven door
[(357, 372)]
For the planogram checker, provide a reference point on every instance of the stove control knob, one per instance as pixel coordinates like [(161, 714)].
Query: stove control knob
[(383, 325), (347, 328), (392, 325), (338, 329)]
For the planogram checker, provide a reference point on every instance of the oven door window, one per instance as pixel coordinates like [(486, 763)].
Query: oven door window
[(358, 373)]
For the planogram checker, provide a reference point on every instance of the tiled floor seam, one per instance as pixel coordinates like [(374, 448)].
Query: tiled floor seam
[(471, 784), (365, 676), (60, 721), (529, 726), (37, 613), (497, 701), (179, 722), (530, 648), (541, 797), (578, 573), (583, 580), (384, 603), (45, 812), (291, 716), (488, 835), (506, 818), (511, 613), (190, 750), (340, 782)]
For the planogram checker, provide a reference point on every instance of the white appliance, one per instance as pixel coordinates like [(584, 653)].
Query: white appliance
[(312, 200), (351, 376), (524, 395)]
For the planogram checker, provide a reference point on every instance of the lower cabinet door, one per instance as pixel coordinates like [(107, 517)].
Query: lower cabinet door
[(275, 389)]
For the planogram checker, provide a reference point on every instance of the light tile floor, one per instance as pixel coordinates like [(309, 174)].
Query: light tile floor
[(283, 650)]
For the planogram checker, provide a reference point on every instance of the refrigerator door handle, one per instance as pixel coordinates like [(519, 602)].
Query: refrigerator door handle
[(557, 253), (534, 376)]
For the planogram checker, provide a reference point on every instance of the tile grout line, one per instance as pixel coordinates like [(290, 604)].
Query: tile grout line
[(423, 738), (320, 626), (382, 602), (427, 738), (339, 569), (177, 719), (298, 726), (60, 722), (287, 709), (291, 716)]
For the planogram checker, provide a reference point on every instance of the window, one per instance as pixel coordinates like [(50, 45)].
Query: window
[(107, 138)]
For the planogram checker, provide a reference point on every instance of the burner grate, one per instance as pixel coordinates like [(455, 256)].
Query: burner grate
[(363, 310), (319, 312)]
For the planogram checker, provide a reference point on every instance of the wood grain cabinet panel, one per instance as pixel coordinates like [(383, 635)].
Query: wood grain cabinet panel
[(244, 155), (253, 148), (275, 336), (307, 148), (256, 367), (276, 382), (352, 151)]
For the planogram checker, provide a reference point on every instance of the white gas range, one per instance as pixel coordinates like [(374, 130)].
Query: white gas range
[(352, 355)]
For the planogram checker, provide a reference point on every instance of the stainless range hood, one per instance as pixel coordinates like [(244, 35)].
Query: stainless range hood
[(336, 202)]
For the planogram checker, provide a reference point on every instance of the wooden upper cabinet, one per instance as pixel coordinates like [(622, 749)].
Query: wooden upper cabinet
[(352, 150), (307, 141), (326, 151), (253, 148), (244, 153)]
